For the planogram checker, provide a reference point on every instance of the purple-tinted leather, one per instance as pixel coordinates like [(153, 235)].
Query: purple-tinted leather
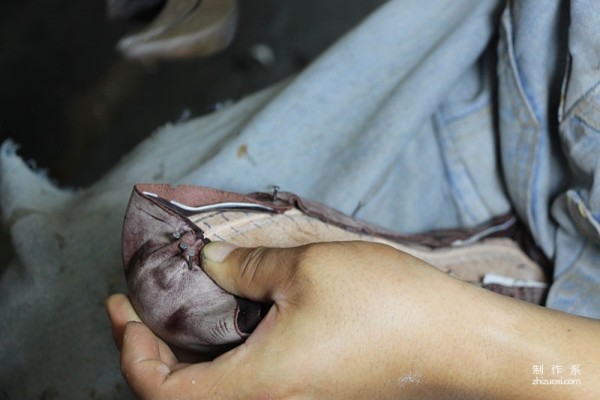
[(167, 287)]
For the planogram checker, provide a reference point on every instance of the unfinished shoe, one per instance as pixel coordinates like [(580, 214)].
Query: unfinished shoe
[(165, 228)]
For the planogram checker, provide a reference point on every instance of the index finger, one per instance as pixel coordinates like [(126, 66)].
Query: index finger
[(120, 312), (151, 376)]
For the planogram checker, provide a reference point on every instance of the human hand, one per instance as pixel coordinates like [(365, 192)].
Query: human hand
[(349, 320)]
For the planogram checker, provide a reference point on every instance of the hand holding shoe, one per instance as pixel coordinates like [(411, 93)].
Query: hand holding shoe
[(362, 320)]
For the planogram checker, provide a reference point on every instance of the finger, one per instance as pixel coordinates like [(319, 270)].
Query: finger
[(120, 312), (260, 274), (152, 373), (141, 362), (146, 361)]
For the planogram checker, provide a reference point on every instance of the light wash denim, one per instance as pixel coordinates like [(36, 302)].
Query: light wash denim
[(432, 115), (549, 127)]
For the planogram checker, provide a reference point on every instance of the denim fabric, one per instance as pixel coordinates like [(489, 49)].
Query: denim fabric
[(550, 143), (360, 125)]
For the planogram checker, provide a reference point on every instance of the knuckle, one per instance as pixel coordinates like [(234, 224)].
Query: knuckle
[(310, 253), (308, 259), (251, 262)]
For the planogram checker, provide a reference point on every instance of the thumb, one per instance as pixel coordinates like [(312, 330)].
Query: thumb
[(261, 274)]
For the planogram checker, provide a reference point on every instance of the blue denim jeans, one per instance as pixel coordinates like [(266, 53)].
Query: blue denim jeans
[(550, 139), (430, 121), (436, 116)]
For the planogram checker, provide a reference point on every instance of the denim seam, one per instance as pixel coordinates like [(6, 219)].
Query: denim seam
[(568, 276), (563, 112), (536, 146), (581, 102), (583, 214), (510, 51), (464, 201), (587, 109), (474, 108)]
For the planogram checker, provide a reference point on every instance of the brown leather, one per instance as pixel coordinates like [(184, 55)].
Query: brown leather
[(166, 227)]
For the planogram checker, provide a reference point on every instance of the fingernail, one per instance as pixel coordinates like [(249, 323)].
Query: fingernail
[(217, 251)]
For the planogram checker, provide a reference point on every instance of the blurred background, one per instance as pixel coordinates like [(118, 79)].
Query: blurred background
[(75, 105)]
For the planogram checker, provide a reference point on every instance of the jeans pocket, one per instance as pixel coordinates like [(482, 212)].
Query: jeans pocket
[(523, 142), (580, 133)]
